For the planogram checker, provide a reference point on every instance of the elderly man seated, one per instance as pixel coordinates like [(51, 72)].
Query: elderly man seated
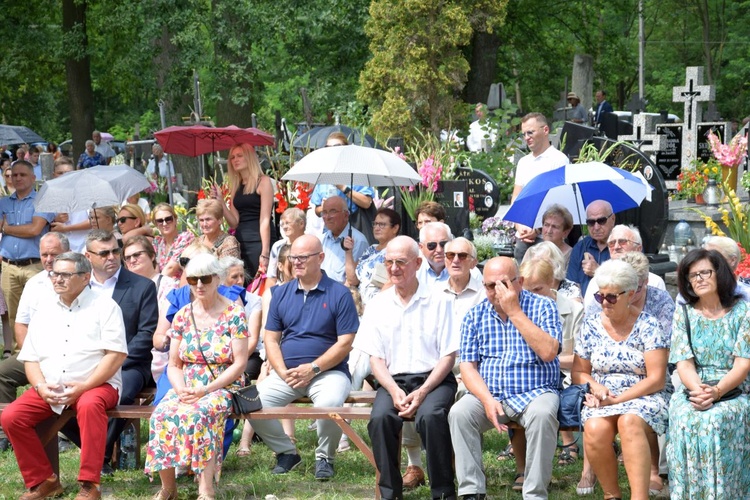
[(433, 237), (335, 216), (592, 251), (509, 348)]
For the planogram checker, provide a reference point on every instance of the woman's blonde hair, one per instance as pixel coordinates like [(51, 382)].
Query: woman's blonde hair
[(211, 207), (162, 207), (135, 211), (253, 166)]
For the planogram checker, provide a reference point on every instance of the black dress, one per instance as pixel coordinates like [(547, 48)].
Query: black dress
[(248, 228)]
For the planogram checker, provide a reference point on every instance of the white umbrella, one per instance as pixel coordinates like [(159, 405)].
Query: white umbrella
[(124, 180)]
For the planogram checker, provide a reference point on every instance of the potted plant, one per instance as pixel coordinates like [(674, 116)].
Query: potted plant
[(690, 184)]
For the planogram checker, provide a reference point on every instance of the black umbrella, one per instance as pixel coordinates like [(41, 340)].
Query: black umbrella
[(316, 137), (11, 135)]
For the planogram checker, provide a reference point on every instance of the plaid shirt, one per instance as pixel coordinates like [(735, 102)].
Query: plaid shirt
[(513, 372)]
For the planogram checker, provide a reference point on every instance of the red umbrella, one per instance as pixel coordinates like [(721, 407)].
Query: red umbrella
[(196, 140)]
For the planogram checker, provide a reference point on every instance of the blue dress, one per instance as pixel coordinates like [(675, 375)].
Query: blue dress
[(619, 365), (365, 269), (709, 451)]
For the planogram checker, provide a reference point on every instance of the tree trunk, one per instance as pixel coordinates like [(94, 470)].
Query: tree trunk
[(78, 74), (483, 66), (583, 78)]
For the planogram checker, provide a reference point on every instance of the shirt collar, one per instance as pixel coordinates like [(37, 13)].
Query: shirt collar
[(113, 278), (344, 234)]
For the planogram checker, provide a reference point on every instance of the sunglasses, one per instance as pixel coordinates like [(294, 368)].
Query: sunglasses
[(610, 297), (106, 253), (491, 286), (461, 255), (432, 245), (184, 261), (124, 219), (193, 280), (601, 220), (165, 220), (133, 256)]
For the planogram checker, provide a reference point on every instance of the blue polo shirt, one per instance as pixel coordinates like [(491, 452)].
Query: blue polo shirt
[(575, 271), (18, 213), (311, 323)]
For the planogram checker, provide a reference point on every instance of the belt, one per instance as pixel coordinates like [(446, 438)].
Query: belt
[(22, 262)]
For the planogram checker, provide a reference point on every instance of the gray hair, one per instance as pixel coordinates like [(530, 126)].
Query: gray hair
[(461, 239), (618, 274), (229, 262), (294, 214), (82, 263), (435, 225), (639, 262), (546, 250), (101, 235), (726, 247), (205, 264), (61, 238), (635, 233), (90, 143)]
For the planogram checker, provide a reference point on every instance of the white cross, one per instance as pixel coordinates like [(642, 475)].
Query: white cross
[(641, 138), (692, 94)]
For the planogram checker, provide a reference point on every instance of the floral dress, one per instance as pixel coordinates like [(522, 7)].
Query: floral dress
[(163, 257), (709, 451), (366, 268), (619, 365), (189, 435)]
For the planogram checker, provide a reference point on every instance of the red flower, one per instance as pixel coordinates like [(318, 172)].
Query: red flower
[(201, 195)]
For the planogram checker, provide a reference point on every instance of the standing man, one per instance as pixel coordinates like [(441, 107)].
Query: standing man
[(22, 227), (408, 332), (318, 320), (72, 354), (433, 238), (509, 348), (336, 219), (602, 107), (592, 250), (543, 157), (160, 160), (102, 147)]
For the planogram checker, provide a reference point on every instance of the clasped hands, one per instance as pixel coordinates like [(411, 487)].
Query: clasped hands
[(298, 377), (407, 404), (60, 394), (702, 398)]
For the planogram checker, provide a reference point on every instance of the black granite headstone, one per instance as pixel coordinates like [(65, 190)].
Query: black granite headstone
[(703, 152), (575, 135), (668, 160), (483, 191), (454, 196)]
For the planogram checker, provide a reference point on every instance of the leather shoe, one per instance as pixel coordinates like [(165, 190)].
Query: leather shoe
[(48, 488), (413, 477), (4, 444), (88, 491), (107, 469)]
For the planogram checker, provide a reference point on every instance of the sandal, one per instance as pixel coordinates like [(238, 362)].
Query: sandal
[(242, 452), (518, 485), (583, 488), (568, 455), (506, 454), (165, 495)]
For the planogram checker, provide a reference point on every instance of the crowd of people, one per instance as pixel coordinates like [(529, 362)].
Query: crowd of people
[(106, 303)]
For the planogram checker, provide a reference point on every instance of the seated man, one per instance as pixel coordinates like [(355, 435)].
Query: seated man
[(336, 219), (509, 348), (592, 251), (318, 319), (432, 240), (72, 354), (407, 331)]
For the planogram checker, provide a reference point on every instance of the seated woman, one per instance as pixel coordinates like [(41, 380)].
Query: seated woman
[(131, 221), (548, 251), (293, 222), (170, 243), (622, 353), (210, 214), (556, 226), (360, 274), (708, 449), (207, 357)]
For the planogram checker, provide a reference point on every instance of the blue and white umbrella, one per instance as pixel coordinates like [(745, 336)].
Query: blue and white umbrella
[(574, 187)]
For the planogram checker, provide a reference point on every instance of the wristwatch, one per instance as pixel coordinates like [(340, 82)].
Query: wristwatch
[(315, 368), (347, 189)]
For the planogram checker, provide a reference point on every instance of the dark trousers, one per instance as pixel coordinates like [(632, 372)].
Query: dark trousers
[(432, 425)]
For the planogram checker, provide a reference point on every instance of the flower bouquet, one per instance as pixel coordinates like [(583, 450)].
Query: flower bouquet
[(729, 156), (691, 183), (502, 234), (292, 194)]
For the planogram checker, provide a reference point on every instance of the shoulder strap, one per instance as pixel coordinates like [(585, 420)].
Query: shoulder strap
[(689, 337), (200, 349)]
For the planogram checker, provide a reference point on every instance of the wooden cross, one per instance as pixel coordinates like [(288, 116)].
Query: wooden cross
[(692, 94)]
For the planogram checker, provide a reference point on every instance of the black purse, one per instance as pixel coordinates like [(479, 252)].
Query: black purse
[(731, 393), (244, 400)]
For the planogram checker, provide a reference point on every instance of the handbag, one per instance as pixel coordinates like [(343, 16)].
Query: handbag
[(731, 393), (571, 402), (244, 400), (258, 285)]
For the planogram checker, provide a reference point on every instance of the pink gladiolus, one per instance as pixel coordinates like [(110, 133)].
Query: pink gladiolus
[(728, 155)]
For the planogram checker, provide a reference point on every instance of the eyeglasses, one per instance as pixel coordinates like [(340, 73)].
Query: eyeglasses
[(124, 219), (601, 220), (432, 245), (397, 262), (106, 253), (165, 220), (610, 297), (54, 276), (382, 225), (529, 133), (491, 286), (620, 242), (461, 255), (193, 280), (300, 258), (702, 275), (184, 261), (133, 256), (330, 213)]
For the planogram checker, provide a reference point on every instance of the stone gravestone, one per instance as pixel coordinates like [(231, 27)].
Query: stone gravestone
[(482, 190), (668, 160), (643, 136), (561, 109), (454, 196), (703, 147), (693, 93)]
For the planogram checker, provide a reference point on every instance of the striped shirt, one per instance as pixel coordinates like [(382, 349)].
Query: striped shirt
[(513, 372)]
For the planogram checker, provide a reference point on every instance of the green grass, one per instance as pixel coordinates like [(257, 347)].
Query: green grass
[(250, 477)]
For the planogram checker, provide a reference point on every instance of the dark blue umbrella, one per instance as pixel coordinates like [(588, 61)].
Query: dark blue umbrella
[(316, 137), (12, 134)]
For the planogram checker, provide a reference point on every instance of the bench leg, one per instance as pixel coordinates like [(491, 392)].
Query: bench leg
[(47, 432), (360, 444)]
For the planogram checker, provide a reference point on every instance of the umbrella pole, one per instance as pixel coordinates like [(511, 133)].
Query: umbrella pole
[(578, 207), (169, 181), (351, 198)]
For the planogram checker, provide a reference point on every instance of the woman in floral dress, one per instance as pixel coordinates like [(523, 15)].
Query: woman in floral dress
[(170, 243), (207, 357), (708, 443), (622, 352)]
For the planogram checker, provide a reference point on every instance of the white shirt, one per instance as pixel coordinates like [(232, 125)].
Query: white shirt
[(107, 287), (37, 291), (77, 239), (530, 166), (104, 149), (589, 301), (479, 134), (467, 298), (70, 342), (163, 164), (410, 338)]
